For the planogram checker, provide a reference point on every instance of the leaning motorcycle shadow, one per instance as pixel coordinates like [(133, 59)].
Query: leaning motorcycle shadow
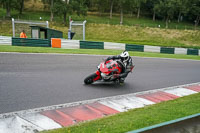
[(108, 85)]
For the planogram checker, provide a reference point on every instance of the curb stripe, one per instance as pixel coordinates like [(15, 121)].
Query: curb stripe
[(180, 92), (41, 121), (17, 125), (82, 113), (158, 97), (194, 88), (126, 103), (114, 105), (104, 109), (59, 117)]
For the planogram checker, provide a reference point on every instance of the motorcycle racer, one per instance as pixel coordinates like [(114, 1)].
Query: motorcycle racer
[(126, 63)]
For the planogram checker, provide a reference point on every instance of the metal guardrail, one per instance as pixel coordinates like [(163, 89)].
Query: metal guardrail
[(5, 40), (189, 124)]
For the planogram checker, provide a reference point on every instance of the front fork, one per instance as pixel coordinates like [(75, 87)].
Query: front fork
[(98, 73)]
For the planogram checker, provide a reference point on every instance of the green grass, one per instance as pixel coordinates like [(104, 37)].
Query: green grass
[(138, 118), (146, 36), (22, 49), (101, 28)]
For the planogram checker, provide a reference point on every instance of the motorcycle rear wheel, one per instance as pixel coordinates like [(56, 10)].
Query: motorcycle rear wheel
[(90, 79)]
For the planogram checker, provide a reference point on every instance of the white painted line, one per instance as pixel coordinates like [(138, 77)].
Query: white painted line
[(41, 121), (180, 91), (17, 125)]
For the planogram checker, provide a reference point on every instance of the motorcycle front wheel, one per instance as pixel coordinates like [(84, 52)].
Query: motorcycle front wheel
[(90, 79)]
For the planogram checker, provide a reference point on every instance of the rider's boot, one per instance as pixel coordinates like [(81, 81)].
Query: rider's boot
[(121, 81)]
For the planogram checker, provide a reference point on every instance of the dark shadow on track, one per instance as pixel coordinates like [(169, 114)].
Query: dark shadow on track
[(108, 85)]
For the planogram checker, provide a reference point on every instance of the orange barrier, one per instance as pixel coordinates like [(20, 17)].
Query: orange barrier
[(56, 43)]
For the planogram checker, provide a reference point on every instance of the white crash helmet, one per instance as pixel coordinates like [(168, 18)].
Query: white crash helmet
[(124, 56)]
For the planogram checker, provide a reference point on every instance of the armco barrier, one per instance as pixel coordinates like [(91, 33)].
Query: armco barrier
[(133, 47), (180, 51), (192, 52), (91, 45), (4, 40), (155, 49), (189, 124), (114, 46), (167, 50), (76, 44), (70, 44), (31, 42)]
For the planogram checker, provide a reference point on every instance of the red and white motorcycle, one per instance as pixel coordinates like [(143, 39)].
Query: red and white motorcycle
[(107, 72)]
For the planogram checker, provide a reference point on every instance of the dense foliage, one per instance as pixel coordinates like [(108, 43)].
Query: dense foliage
[(168, 10)]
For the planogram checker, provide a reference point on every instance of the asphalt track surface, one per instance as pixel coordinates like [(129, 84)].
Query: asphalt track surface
[(36, 80)]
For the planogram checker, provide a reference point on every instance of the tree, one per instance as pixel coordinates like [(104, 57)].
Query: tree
[(166, 9), (80, 7), (181, 8), (121, 4), (150, 6), (111, 8), (21, 6), (67, 7), (51, 9), (8, 4), (102, 5), (138, 4), (195, 11), (51, 5), (62, 7)]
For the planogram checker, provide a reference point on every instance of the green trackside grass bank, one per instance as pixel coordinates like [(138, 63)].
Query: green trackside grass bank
[(138, 118), (142, 31), (22, 49)]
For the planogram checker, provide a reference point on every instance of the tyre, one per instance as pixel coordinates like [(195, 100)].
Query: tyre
[(90, 79)]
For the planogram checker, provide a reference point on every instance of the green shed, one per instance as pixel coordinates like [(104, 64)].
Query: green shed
[(39, 32)]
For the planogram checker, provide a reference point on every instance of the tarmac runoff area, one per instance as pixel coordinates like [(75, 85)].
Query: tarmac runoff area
[(63, 115)]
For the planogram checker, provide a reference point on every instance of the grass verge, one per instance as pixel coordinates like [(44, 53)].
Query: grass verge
[(102, 28), (138, 118), (4, 48)]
